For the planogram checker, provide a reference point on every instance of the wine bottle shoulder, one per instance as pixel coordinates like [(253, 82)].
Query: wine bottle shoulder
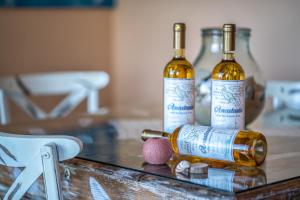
[(228, 70), (179, 68)]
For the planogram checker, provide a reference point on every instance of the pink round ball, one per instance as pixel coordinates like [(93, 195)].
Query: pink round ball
[(157, 151)]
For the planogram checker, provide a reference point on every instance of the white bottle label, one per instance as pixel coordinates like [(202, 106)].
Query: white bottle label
[(228, 104), (206, 142), (179, 103)]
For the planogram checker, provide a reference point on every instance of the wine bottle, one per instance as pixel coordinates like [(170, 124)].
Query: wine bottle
[(243, 147), (179, 83), (228, 87)]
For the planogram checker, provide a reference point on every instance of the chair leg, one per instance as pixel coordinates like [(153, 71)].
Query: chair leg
[(93, 102), (4, 113), (52, 179)]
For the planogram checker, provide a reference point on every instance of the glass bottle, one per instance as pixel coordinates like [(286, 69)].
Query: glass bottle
[(210, 54), (228, 87), (241, 147), (179, 83)]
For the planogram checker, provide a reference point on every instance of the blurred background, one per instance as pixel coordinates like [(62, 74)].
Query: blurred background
[(132, 40)]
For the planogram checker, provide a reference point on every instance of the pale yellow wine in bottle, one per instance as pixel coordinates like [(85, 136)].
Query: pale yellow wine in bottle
[(179, 85), (210, 144), (228, 87)]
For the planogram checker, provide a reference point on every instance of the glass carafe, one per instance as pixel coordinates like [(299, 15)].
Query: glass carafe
[(211, 54)]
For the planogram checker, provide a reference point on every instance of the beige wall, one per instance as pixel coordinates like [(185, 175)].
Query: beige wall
[(133, 42), (143, 39), (33, 40)]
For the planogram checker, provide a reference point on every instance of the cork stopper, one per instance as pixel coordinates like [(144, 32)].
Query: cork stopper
[(198, 168)]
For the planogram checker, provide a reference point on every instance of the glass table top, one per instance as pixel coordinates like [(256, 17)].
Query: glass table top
[(117, 142)]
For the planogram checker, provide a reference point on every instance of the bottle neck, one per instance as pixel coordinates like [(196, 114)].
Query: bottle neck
[(179, 41), (228, 41), (228, 56), (179, 53)]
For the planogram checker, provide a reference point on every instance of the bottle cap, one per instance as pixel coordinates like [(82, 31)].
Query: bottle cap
[(179, 36), (179, 27), (147, 133), (229, 27), (228, 38)]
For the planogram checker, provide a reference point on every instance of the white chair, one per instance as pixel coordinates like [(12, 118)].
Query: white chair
[(284, 93), (39, 155), (78, 86)]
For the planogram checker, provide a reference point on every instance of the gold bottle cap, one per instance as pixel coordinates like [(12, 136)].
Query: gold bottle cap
[(179, 36), (147, 133), (229, 27), (229, 37), (179, 27)]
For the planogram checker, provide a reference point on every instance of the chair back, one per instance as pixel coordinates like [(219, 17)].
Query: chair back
[(77, 86), (38, 155), (284, 93)]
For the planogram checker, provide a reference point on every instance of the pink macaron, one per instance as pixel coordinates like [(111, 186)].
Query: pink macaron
[(157, 151)]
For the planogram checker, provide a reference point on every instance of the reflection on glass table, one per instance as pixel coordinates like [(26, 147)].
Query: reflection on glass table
[(116, 141), (229, 178)]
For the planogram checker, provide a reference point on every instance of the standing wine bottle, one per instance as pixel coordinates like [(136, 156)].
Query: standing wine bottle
[(179, 83), (242, 147), (228, 87)]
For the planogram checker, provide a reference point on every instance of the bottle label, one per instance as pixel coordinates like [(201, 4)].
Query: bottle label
[(179, 103), (206, 142), (228, 104)]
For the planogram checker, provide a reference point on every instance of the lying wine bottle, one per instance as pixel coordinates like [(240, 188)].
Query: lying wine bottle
[(241, 147)]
